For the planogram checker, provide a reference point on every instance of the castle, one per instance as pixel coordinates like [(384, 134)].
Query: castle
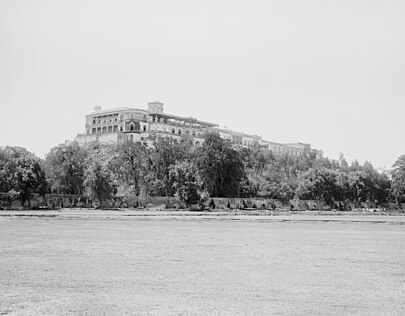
[(125, 123)]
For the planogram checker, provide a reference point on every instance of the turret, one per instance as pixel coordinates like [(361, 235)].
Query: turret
[(155, 107)]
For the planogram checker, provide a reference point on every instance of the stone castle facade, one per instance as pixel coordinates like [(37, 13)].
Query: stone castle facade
[(131, 124)]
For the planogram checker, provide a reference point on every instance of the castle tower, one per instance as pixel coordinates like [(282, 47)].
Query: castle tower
[(155, 107)]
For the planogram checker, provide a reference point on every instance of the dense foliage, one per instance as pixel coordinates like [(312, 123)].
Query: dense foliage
[(167, 167), (21, 173)]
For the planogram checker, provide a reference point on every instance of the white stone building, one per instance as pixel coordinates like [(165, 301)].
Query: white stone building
[(122, 124)]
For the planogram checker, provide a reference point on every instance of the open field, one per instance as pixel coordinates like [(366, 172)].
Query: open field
[(105, 263)]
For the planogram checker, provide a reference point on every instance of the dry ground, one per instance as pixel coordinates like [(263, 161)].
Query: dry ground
[(89, 265)]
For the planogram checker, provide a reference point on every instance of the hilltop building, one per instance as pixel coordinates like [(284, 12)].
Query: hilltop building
[(122, 124)]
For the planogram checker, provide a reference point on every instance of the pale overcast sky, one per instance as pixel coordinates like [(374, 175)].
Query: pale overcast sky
[(328, 73)]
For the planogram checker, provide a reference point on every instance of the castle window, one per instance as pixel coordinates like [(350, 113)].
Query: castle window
[(131, 128), (115, 128), (94, 122), (109, 129), (93, 130), (144, 128), (121, 128), (173, 131), (179, 132)]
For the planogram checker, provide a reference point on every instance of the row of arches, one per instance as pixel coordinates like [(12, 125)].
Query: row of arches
[(105, 129), (136, 127), (186, 132), (115, 128)]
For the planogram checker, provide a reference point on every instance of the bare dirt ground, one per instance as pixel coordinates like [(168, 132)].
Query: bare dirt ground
[(107, 263)]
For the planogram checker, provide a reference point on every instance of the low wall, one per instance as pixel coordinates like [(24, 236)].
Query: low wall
[(55, 201), (294, 205), (265, 204)]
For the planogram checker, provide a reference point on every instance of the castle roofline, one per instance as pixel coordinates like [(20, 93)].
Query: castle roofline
[(297, 145), (183, 118), (273, 143), (121, 109), (237, 133)]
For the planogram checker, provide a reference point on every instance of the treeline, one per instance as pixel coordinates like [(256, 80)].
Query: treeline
[(167, 167)]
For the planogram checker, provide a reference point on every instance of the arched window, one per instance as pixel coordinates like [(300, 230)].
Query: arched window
[(93, 130), (144, 128), (110, 129)]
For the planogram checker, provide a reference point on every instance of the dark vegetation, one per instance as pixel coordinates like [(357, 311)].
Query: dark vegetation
[(167, 167)]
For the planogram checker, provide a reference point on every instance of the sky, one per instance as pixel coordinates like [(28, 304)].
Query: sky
[(325, 72)]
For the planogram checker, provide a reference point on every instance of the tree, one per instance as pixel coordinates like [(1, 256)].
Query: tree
[(350, 185), (21, 173), (256, 161), (7, 168), (186, 182), (343, 162), (98, 182), (99, 178), (220, 165), (65, 165), (376, 185), (318, 184), (129, 165), (162, 155), (398, 179)]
